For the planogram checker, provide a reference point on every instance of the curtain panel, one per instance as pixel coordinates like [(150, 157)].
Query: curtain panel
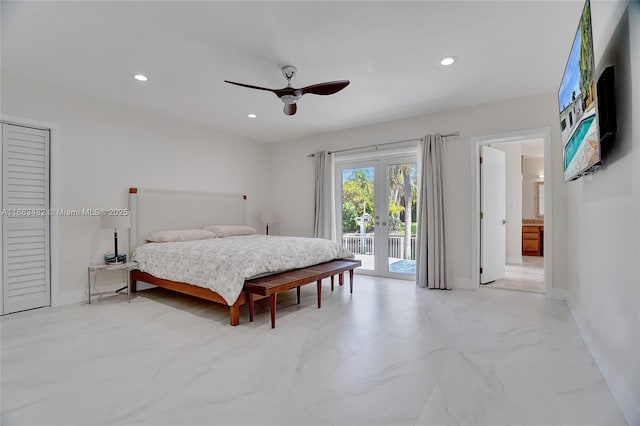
[(323, 207), (431, 265)]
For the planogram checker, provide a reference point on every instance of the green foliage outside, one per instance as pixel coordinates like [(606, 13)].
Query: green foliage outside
[(357, 198), (358, 195), (402, 228)]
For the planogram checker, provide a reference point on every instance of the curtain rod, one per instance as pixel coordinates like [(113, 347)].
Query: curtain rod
[(384, 144)]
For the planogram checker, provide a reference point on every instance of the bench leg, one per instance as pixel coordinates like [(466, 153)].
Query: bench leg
[(319, 285), (234, 314), (298, 294), (251, 306), (351, 281), (272, 303), (341, 278), (332, 281)]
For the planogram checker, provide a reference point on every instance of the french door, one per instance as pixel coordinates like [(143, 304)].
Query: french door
[(376, 214)]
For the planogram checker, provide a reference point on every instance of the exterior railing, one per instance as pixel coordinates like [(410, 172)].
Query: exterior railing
[(365, 245)]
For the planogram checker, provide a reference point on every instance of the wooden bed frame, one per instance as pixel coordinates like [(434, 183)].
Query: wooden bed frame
[(231, 211), (191, 290), (267, 286), (155, 210)]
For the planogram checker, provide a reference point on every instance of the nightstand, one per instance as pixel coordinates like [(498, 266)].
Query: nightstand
[(94, 269)]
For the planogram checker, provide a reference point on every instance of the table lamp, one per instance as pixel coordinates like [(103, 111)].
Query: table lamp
[(114, 222), (267, 218)]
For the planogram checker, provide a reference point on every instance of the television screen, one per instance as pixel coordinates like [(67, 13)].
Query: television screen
[(577, 101)]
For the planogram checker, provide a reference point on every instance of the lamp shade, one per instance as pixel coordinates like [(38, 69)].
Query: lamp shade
[(267, 217), (115, 222)]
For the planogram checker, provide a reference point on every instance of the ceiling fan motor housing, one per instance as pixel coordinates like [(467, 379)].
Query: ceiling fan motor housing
[(289, 99)]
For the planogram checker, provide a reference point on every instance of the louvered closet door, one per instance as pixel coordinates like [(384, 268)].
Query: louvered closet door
[(25, 219)]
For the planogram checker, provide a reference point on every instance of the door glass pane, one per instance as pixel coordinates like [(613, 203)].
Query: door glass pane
[(358, 191), (401, 221)]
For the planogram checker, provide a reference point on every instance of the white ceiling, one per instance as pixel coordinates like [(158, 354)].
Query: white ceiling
[(389, 50)]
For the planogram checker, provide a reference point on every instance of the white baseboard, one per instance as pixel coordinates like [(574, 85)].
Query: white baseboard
[(463, 283), (557, 294), (626, 400), (81, 295), (71, 297)]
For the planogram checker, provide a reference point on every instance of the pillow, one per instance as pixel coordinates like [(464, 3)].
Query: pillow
[(180, 235), (230, 230)]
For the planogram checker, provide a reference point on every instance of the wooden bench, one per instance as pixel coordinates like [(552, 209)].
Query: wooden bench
[(271, 285)]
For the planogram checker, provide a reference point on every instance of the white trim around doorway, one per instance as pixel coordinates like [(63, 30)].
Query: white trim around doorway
[(476, 143)]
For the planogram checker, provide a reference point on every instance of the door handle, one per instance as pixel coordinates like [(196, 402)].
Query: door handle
[(504, 222)]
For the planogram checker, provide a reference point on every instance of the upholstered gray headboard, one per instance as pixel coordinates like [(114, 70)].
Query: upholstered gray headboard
[(154, 210)]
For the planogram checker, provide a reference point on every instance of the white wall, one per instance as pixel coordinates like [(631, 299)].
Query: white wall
[(513, 171), (106, 148), (604, 230), (292, 172), (531, 169)]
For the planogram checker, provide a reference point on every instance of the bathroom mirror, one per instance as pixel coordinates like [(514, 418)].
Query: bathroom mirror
[(539, 195)]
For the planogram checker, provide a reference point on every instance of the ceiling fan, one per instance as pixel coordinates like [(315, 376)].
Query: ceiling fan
[(290, 95)]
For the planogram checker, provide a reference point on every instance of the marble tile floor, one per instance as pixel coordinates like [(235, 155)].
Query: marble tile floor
[(528, 276), (390, 354)]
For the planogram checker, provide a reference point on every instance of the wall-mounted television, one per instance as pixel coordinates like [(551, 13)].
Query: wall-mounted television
[(577, 101)]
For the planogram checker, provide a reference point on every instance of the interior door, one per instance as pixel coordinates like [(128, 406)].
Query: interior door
[(493, 214), (25, 218)]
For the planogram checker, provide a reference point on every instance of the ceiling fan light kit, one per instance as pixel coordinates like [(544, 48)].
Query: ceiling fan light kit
[(289, 95)]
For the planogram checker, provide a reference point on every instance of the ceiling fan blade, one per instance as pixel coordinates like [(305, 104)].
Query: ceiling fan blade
[(328, 88), (290, 109), (279, 92), (251, 87)]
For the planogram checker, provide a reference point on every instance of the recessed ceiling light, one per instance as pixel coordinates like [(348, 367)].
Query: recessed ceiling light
[(140, 77), (251, 115), (448, 60)]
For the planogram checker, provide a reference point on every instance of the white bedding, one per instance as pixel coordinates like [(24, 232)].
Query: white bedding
[(223, 264)]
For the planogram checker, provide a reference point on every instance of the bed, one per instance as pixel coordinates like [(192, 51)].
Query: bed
[(186, 266)]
